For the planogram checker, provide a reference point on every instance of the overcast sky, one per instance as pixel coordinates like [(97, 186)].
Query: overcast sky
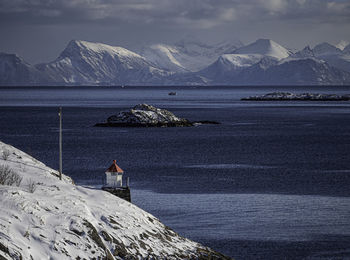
[(38, 30)]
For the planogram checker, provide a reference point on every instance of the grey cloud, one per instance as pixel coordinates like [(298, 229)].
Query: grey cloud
[(192, 13), (40, 29)]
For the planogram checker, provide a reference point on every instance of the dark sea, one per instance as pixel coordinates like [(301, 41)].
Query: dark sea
[(272, 181)]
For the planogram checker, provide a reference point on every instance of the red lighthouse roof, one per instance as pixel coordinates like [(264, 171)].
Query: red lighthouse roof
[(114, 168)]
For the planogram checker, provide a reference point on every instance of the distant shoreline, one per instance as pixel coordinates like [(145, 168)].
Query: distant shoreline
[(286, 96), (170, 86)]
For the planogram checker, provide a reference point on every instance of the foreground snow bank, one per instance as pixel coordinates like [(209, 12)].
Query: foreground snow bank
[(58, 220)]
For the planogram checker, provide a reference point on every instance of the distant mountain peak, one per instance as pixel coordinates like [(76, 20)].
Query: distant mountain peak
[(12, 57), (14, 70), (326, 48), (77, 47), (307, 52), (84, 62), (187, 55), (347, 49), (342, 44), (264, 41), (264, 47)]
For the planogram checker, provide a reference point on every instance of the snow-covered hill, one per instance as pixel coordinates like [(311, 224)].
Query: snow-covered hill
[(186, 55), (326, 49), (294, 71), (96, 63), (342, 44), (265, 62), (14, 70), (305, 53), (166, 57), (265, 47), (59, 220), (334, 56), (346, 50), (229, 65), (289, 71)]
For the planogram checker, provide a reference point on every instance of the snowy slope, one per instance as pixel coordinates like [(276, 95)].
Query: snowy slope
[(326, 49), (96, 63), (334, 56), (264, 47), (228, 66), (346, 50), (240, 60), (299, 69), (165, 57), (342, 44), (252, 58), (15, 71), (269, 63), (307, 52), (294, 71), (186, 55), (62, 221)]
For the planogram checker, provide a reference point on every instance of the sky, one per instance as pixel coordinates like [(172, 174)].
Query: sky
[(38, 30)]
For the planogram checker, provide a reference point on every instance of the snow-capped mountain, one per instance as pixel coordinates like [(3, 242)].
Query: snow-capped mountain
[(187, 62), (292, 71), (186, 55), (266, 62), (326, 49), (226, 68), (14, 70), (307, 52), (165, 56), (45, 218), (346, 50), (96, 63), (342, 44), (333, 55), (229, 65), (264, 47)]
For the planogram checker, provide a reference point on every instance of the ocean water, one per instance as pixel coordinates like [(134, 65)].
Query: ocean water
[(270, 182)]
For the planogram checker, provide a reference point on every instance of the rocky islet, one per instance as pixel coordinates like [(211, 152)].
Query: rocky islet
[(144, 115)]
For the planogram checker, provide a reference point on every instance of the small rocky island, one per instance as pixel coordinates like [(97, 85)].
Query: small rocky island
[(143, 115), (286, 96)]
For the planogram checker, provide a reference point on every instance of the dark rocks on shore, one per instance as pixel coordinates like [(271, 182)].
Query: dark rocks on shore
[(286, 96), (144, 115)]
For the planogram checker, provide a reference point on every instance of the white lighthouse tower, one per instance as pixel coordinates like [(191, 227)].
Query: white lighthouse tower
[(114, 176)]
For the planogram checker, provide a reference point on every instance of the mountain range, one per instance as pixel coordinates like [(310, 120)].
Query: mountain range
[(187, 62)]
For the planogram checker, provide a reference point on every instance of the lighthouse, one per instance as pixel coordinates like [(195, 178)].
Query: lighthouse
[(114, 175), (114, 182)]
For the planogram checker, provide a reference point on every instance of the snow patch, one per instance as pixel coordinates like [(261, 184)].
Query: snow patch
[(264, 47), (342, 44)]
